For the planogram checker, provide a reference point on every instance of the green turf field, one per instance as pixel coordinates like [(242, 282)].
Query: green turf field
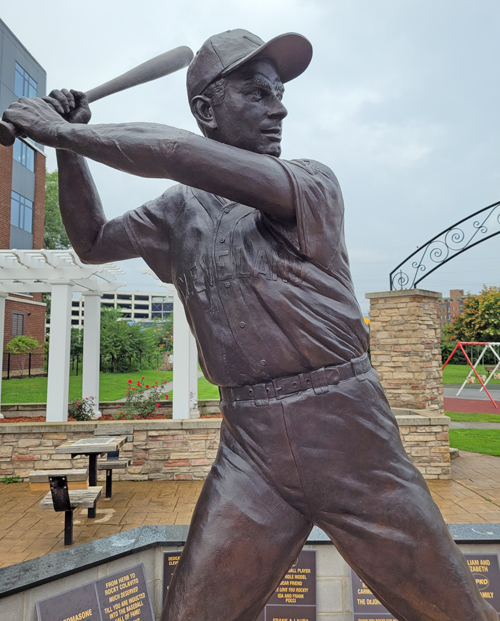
[(112, 386), (486, 441)]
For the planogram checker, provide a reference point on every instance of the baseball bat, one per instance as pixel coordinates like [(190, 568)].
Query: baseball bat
[(157, 67)]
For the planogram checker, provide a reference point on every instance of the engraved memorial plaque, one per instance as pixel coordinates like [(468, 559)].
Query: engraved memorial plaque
[(294, 599), (170, 560), (80, 603), (122, 596), (484, 567)]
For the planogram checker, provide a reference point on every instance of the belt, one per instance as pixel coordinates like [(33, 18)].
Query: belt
[(318, 380)]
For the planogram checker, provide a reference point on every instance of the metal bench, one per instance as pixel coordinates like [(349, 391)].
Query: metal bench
[(60, 498), (77, 479), (110, 464)]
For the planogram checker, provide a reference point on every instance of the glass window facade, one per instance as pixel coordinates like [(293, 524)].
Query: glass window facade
[(17, 324), (21, 212), (24, 85), (24, 154)]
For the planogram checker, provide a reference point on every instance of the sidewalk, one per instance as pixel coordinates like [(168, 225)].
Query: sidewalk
[(26, 532)]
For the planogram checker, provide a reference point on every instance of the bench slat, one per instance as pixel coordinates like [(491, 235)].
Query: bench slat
[(42, 476), (112, 464), (84, 499)]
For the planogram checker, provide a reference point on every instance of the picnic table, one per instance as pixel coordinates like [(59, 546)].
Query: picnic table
[(92, 447)]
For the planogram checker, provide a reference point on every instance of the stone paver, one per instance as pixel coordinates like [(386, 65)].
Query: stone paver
[(472, 496)]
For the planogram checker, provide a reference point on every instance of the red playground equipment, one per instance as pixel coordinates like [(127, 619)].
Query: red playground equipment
[(486, 347)]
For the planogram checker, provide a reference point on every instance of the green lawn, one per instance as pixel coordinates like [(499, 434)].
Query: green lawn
[(456, 374), (474, 418), (486, 441), (206, 390), (112, 386)]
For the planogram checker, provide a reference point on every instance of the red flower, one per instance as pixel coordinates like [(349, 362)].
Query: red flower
[(165, 382), (123, 418), (157, 405), (147, 385), (130, 381), (133, 388), (138, 383), (156, 383), (166, 397), (142, 377)]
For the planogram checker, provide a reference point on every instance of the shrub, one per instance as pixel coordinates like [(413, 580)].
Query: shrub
[(82, 409), (141, 399)]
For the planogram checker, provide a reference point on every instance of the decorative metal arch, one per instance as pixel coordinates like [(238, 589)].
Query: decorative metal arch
[(456, 239)]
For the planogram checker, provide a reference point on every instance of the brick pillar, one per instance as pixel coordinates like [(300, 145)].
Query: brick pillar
[(405, 347)]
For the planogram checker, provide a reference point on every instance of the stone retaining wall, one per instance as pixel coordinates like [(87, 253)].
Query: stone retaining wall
[(167, 450), (184, 449)]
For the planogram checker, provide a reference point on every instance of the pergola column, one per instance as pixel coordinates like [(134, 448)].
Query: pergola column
[(3, 297), (185, 400), (59, 352), (91, 348)]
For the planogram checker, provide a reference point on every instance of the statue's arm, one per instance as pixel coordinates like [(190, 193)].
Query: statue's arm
[(95, 239), (160, 151)]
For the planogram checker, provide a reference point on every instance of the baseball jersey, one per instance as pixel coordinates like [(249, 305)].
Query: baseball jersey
[(264, 298)]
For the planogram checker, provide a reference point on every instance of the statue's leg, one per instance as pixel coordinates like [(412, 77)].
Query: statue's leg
[(242, 539), (365, 493)]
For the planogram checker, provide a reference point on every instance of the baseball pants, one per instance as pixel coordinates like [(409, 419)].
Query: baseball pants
[(334, 460)]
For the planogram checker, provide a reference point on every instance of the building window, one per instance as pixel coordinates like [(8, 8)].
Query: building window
[(17, 324), (21, 212), (24, 85), (24, 154)]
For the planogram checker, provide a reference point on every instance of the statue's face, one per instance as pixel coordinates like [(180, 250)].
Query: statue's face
[(251, 115)]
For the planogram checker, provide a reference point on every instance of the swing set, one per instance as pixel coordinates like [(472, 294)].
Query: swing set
[(486, 347)]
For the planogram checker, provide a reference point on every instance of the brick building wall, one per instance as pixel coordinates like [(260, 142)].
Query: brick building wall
[(31, 308)]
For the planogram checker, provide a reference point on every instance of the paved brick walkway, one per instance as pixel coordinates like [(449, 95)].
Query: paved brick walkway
[(472, 496)]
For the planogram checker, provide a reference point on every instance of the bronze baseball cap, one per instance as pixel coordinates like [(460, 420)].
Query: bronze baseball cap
[(227, 51)]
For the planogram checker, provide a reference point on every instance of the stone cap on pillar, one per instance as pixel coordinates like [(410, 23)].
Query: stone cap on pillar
[(424, 293)]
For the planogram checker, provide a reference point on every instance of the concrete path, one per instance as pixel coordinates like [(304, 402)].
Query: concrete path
[(463, 425), (472, 496)]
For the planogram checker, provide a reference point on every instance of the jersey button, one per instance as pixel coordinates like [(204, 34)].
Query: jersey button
[(222, 240), (227, 210), (242, 324), (227, 285), (263, 363)]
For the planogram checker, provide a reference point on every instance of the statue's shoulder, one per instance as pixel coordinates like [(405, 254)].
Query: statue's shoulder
[(313, 167)]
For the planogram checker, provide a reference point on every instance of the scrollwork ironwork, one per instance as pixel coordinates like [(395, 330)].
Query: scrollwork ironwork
[(456, 239)]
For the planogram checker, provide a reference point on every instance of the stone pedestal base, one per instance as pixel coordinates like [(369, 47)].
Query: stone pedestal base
[(426, 440), (405, 348)]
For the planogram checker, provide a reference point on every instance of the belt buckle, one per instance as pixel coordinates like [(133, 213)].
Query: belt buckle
[(279, 388), (333, 376)]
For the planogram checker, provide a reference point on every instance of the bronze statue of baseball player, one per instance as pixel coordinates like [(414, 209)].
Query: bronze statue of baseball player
[(255, 248)]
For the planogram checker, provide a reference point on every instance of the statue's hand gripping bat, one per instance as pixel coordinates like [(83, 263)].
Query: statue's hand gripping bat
[(157, 67)]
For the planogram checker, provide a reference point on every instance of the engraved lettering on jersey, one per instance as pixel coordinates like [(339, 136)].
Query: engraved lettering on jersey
[(262, 265), (242, 269)]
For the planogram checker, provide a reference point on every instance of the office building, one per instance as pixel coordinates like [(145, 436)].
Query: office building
[(22, 183)]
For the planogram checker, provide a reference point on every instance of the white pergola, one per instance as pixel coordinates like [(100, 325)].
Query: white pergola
[(60, 272), (185, 402)]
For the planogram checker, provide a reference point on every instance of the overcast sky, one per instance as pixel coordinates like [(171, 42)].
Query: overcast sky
[(401, 100)]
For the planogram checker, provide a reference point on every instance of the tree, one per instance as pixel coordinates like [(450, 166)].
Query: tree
[(480, 319), (125, 345), (55, 236), (22, 345)]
